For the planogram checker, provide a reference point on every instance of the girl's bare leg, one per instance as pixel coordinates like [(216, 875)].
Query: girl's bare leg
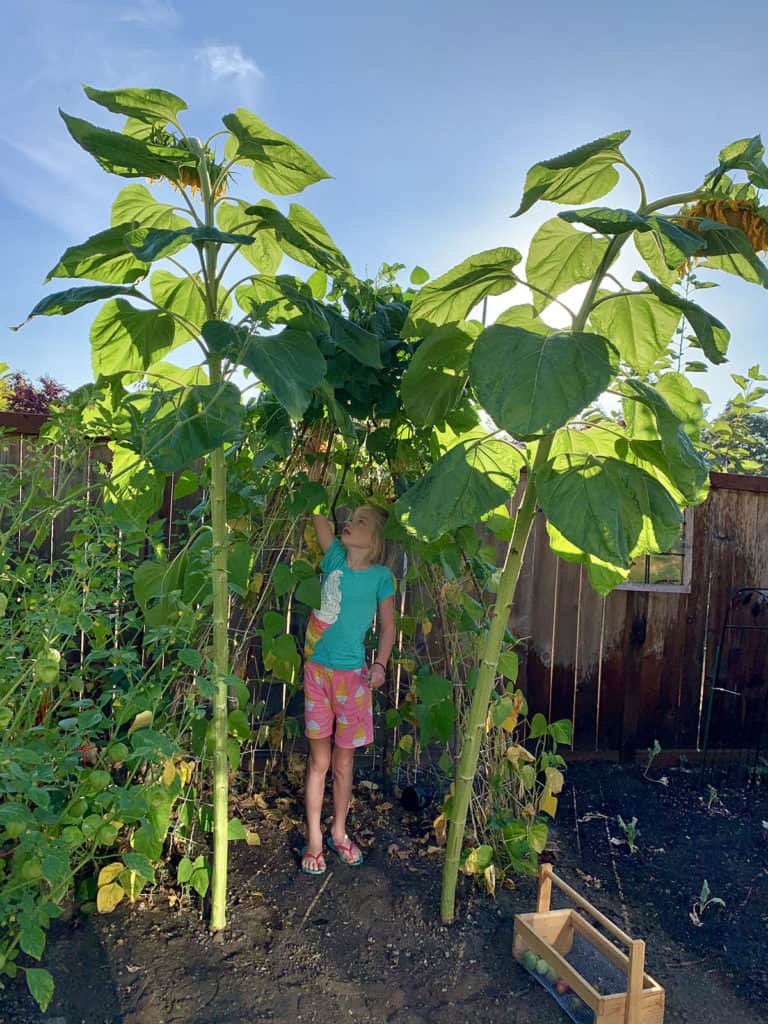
[(317, 768), (343, 764)]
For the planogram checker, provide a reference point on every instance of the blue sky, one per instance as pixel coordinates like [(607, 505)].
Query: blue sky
[(428, 115)]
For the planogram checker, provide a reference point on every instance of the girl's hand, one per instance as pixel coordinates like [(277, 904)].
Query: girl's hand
[(376, 675)]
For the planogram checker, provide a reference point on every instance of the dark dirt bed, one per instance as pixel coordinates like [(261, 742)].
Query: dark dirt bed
[(366, 945)]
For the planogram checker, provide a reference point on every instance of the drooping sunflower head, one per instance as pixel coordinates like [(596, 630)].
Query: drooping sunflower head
[(744, 214)]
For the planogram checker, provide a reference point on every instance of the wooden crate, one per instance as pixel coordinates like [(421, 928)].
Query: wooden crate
[(549, 935)]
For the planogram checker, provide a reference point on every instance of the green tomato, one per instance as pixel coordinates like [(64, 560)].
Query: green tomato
[(77, 809), (3, 604), (529, 960), (31, 870), (118, 752), (47, 666), (542, 967), (69, 606), (72, 835), (106, 835), (46, 672)]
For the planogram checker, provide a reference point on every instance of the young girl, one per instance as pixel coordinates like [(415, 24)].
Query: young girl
[(337, 682)]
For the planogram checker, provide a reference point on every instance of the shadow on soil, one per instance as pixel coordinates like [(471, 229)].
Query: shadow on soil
[(366, 945)]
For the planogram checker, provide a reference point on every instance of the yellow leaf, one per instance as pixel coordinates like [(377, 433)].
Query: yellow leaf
[(510, 722), (555, 780), (109, 896), (252, 838), (169, 772), (440, 825), (186, 770), (517, 754), (479, 859), (548, 803), (109, 873), (141, 721), (490, 879)]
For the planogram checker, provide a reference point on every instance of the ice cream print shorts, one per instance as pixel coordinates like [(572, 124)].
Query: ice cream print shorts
[(343, 694)]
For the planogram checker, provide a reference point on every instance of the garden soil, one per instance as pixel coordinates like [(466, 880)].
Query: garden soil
[(365, 945)]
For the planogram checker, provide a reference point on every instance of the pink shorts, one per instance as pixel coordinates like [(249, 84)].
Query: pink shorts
[(343, 694)]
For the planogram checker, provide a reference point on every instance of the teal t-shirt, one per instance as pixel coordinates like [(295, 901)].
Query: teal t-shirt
[(349, 598)]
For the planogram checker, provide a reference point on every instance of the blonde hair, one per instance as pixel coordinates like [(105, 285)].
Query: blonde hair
[(378, 547)]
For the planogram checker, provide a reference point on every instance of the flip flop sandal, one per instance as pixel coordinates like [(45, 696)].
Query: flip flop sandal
[(344, 851), (316, 859)]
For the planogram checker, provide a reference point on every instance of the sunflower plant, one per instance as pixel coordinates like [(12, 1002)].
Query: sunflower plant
[(612, 488), (166, 274)]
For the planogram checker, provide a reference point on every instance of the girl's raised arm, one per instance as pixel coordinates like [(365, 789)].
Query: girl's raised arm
[(323, 526), (324, 531)]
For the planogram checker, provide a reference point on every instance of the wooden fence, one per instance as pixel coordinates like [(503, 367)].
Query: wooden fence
[(636, 666), (78, 475)]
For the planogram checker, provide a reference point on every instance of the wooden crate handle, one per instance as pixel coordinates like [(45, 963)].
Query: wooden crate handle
[(635, 977), (547, 878)]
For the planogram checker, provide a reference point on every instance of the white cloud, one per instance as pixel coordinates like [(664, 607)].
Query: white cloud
[(152, 12), (225, 61), (58, 183)]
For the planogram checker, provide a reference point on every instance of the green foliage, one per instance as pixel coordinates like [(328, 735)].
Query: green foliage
[(578, 176), (81, 704), (472, 478), (630, 831), (279, 165), (450, 297), (559, 257), (737, 440), (550, 379), (610, 490), (412, 400), (289, 363), (640, 325), (712, 336)]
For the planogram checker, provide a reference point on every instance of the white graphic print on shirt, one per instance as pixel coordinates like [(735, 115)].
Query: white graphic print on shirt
[(330, 599)]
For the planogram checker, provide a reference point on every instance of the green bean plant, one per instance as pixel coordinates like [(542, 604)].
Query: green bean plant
[(91, 755)]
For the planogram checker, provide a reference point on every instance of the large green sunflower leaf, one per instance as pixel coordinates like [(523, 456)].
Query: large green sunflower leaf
[(579, 176), (471, 479), (279, 165), (561, 256), (452, 296), (532, 384)]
